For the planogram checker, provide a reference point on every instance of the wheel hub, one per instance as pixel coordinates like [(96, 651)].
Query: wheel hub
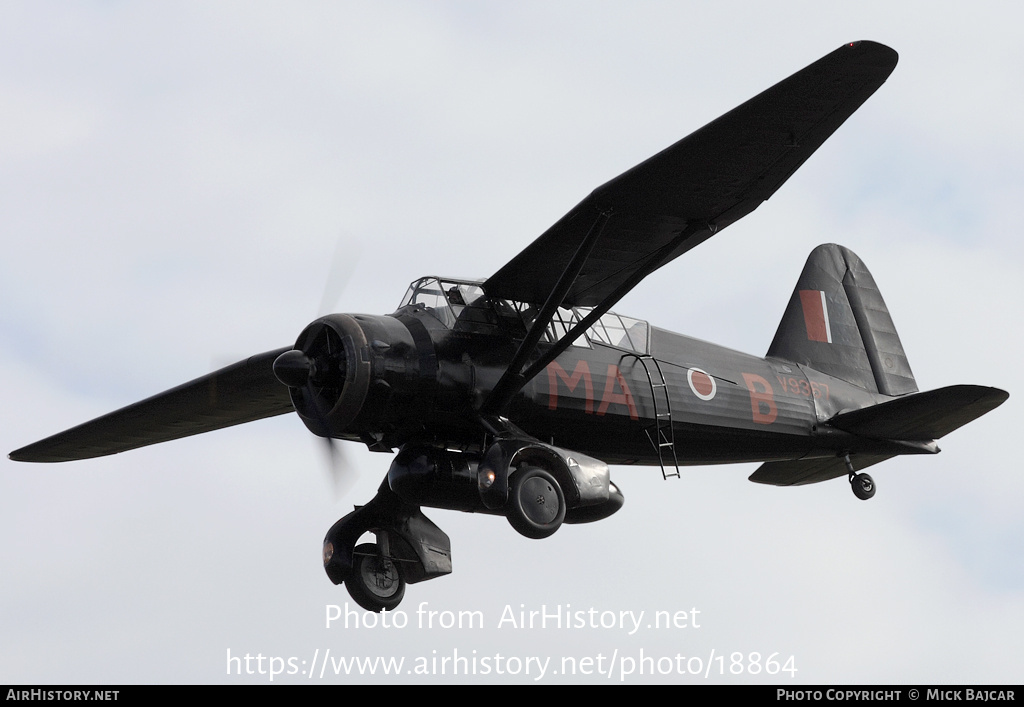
[(544, 505), (380, 577)]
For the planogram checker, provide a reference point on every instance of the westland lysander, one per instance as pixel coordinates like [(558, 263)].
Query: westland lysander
[(511, 395)]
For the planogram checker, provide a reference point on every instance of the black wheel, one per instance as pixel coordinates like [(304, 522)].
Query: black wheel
[(376, 583), (863, 486), (536, 505)]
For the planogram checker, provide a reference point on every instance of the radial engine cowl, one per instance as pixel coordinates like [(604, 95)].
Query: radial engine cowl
[(327, 373)]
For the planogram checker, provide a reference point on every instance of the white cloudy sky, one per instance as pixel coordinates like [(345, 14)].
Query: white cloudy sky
[(174, 178)]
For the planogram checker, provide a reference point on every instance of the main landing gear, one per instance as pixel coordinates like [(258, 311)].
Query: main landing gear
[(862, 484), (536, 487), (409, 549)]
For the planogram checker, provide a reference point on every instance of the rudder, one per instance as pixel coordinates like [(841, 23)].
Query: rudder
[(837, 323)]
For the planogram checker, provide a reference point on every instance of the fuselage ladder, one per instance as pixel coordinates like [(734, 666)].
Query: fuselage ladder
[(661, 434)]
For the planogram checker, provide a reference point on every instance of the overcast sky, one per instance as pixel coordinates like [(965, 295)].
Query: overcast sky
[(174, 179)]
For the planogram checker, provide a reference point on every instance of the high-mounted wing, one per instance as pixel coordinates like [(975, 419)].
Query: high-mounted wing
[(242, 392), (680, 197)]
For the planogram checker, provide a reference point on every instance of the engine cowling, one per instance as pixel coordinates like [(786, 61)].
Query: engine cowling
[(328, 373)]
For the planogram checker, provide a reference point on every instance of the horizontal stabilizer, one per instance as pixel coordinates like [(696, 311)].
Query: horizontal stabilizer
[(241, 392), (917, 417), (922, 416), (811, 471)]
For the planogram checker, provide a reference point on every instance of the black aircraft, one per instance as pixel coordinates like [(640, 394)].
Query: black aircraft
[(512, 395)]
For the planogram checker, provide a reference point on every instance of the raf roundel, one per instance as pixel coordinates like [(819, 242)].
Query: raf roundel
[(702, 385)]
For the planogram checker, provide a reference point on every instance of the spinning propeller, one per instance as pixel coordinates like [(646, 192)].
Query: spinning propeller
[(315, 371)]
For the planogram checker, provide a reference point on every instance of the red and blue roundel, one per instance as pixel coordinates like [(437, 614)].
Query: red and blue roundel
[(702, 384)]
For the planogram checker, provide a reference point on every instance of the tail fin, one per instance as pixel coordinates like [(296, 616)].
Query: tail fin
[(837, 323)]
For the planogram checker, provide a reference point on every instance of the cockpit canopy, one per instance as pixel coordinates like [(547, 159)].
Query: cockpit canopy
[(463, 304)]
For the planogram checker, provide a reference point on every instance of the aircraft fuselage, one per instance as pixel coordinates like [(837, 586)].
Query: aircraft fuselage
[(703, 403)]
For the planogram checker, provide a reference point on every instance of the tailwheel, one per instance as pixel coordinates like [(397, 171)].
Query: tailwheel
[(376, 583), (536, 504), (863, 486)]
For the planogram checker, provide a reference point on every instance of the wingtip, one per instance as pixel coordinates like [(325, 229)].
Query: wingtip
[(886, 55), (36, 453), (19, 455)]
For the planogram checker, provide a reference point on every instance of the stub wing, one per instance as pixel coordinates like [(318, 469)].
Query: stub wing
[(680, 197), (242, 392)]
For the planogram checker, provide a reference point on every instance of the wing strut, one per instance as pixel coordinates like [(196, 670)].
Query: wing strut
[(653, 262), (513, 380), (496, 403)]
